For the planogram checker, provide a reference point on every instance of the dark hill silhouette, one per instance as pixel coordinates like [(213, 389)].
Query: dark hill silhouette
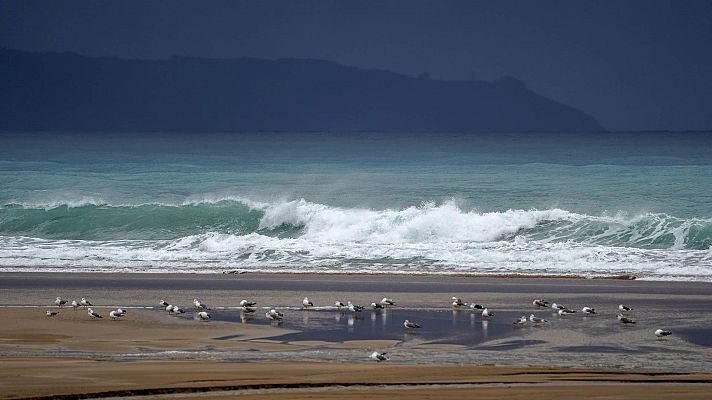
[(64, 91)]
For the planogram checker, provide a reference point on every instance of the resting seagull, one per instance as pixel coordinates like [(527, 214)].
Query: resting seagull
[(84, 302), (204, 316), (93, 313), (662, 333), (274, 315), (476, 306), (59, 302), (51, 313), (376, 356), (565, 311), (245, 303), (536, 320), (338, 304), (306, 303), (376, 306), (178, 310), (623, 308), (625, 320), (410, 325), (486, 313), (387, 302), (115, 314), (588, 310), (520, 321), (540, 303), (557, 306), (121, 311), (456, 302)]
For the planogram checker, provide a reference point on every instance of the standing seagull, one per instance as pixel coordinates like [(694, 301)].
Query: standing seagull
[(163, 303), (84, 302), (93, 314), (456, 302), (662, 333), (410, 325), (387, 302), (354, 307), (51, 313), (75, 305), (376, 356), (486, 313), (625, 320), (588, 310), (306, 303), (274, 315), (623, 308), (59, 302), (204, 316)]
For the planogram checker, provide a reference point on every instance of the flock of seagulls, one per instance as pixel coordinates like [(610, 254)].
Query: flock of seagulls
[(248, 307)]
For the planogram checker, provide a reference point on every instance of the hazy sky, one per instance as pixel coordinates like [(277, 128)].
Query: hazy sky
[(631, 64)]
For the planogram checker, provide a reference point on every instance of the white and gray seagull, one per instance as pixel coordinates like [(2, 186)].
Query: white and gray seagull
[(387, 302), (51, 313), (376, 356), (661, 333), (410, 325), (540, 303), (59, 302), (521, 321), (536, 320), (624, 319), (200, 305), (86, 303), (93, 313)]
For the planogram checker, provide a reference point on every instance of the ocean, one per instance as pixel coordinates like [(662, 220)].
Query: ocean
[(590, 205)]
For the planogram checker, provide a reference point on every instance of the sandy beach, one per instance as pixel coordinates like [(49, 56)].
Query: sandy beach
[(324, 353)]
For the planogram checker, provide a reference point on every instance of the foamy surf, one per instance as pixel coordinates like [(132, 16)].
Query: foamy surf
[(234, 233)]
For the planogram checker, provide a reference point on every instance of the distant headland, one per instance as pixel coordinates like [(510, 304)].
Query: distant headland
[(66, 91)]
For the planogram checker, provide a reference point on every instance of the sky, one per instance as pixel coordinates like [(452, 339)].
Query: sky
[(633, 65)]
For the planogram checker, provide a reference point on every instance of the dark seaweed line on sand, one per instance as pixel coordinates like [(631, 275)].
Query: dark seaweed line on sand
[(268, 386)]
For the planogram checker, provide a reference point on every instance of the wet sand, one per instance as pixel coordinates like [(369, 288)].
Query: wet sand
[(321, 353)]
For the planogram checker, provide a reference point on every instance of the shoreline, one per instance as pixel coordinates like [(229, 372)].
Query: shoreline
[(314, 352)]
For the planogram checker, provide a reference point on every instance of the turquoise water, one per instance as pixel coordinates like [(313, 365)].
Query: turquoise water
[(590, 205)]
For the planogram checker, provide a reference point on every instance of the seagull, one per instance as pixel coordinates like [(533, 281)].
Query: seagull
[(476, 306), (520, 321), (338, 304), (540, 303), (75, 305), (625, 320), (93, 314), (376, 306), (486, 313), (121, 311), (536, 320), (387, 302), (85, 302), (248, 310), (163, 303), (245, 303), (354, 307), (59, 302), (588, 310), (200, 305), (565, 311), (306, 303), (169, 308), (410, 325), (115, 314), (557, 306), (376, 356), (623, 308), (274, 315), (659, 333), (51, 313), (457, 302), (204, 315), (178, 310)]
